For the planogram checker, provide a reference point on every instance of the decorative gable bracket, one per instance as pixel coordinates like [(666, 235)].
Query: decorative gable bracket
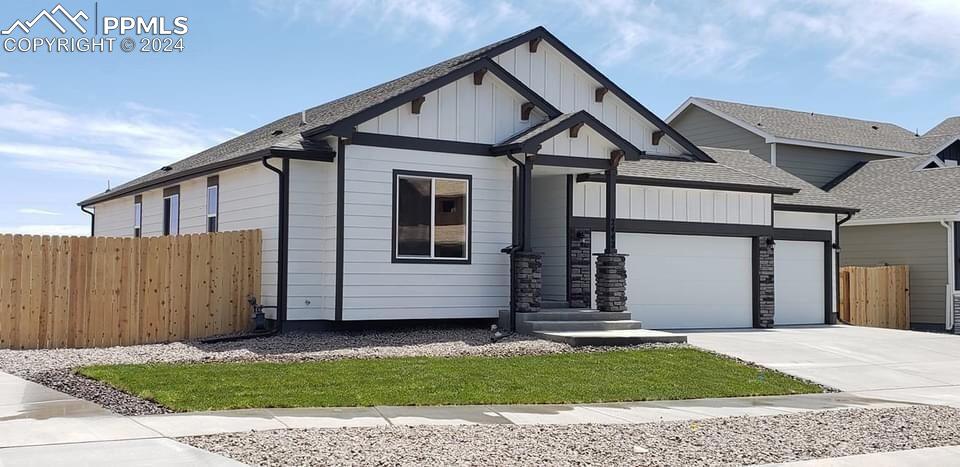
[(599, 93), (655, 137), (525, 110), (478, 76), (416, 104)]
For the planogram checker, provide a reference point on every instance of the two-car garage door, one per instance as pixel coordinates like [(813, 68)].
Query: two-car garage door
[(686, 281)]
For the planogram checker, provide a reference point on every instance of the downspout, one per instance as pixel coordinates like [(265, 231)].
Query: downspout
[(93, 220), (283, 241), (521, 191), (951, 288), (836, 261)]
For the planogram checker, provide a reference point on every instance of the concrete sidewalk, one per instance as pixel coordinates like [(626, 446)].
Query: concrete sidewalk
[(941, 456), (229, 421)]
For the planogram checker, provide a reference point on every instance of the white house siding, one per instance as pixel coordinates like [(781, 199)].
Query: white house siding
[(673, 204), (565, 85), (460, 111), (311, 286), (248, 200), (549, 232), (809, 221), (376, 288), (588, 143)]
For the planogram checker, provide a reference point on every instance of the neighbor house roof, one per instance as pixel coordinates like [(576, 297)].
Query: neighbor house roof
[(896, 189), (808, 195), (812, 127), (291, 130)]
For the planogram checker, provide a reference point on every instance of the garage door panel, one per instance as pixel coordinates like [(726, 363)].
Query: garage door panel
[(682, 281), (799, 289)]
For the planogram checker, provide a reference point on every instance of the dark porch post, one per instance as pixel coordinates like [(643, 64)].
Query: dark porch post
[(526, 266), (611, 266)]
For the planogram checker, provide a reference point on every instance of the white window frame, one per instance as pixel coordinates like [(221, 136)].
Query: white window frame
[(137, 217), (468, 180), (216, 209), (171, 221)]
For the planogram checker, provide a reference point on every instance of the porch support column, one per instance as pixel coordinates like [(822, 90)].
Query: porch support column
[(526, 266), (612, 266)]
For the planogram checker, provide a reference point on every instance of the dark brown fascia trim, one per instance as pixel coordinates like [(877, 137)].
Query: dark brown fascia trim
[(698, 184), (541, 32), (532, 145), (569, 161), (345, 127), (420, 144), (598, 224), (814, 209), (309, 155)]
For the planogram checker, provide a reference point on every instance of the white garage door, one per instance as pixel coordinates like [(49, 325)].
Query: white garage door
[(680, 281), (799, 284)]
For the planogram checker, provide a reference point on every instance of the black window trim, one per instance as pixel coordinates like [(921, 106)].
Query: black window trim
[(167, 194), (393, 218)]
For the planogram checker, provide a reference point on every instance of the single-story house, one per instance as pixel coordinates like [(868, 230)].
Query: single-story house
[(906, 184), (498, 180)]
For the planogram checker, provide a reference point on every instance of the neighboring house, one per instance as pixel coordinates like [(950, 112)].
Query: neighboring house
[(411, 199), (910, 209), (907, 186), (817, 148)]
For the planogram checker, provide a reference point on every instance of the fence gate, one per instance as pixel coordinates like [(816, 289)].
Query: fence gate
[(875, 296)]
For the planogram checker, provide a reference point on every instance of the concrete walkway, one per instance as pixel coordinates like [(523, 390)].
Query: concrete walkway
[(40, 426), (206, 423)]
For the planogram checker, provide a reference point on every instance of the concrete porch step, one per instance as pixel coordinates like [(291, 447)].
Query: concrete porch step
[(613, 337), (573, 314), (551, 304), (592, 325)]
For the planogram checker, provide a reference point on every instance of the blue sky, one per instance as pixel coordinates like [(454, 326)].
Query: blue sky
[(71, 122)]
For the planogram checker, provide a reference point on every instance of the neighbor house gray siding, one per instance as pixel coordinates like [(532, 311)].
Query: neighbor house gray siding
[(706, 129), (923, 247), (818, 166)]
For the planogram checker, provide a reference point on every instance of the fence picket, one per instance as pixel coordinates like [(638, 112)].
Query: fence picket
[(875, 296)]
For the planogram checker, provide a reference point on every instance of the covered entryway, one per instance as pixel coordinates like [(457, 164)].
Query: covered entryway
[(799, 285), (687, 281)]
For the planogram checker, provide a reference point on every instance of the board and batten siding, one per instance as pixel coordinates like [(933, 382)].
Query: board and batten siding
[(549, 232), (376, 288), (588, 143), (673, 204), (248, 200), (460, 111), (311, 288), (921, 246), (818, 166), (569, 88), (706, 129)]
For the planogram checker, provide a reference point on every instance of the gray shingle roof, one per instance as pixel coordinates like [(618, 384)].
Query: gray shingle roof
[(809, 195), (892, 188), (813, 127), (950, 126), (290, 127)]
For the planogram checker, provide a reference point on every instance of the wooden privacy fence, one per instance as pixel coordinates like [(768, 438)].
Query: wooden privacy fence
[(875, 296), (98, 292)]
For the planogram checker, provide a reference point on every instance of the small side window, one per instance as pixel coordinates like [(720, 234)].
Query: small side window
[(171, 211), (137, 216), (213, 203)]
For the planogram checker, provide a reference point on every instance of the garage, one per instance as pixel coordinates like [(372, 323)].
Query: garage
[(685, 281), (799, 284)]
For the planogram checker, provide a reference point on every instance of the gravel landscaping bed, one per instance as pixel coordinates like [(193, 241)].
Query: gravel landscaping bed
[(68, 382), (736, 441)]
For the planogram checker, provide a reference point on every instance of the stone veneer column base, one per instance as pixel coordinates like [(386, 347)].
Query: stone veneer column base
[(578, 286), (765, 254), (611, 282), (956, 313), (526, 269)]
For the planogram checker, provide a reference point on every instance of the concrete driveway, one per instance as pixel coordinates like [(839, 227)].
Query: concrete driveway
[(881, 363)]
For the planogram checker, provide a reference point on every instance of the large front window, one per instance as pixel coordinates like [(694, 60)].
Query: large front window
[(432, 217)]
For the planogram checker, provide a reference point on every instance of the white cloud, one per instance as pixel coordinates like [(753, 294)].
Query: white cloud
[(4, 75), (39, 212), (123, 143), (47, 229)]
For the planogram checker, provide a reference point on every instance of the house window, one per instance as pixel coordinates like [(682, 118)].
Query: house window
[(137, 216), (213, 203), (171, 211), (431, 217)]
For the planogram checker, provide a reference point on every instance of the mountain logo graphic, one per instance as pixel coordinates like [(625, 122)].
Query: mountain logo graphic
[(25, 26)]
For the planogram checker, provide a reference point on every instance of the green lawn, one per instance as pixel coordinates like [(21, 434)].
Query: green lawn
[(624, 375)]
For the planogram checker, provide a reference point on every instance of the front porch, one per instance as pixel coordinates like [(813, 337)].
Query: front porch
[(554, 293)]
